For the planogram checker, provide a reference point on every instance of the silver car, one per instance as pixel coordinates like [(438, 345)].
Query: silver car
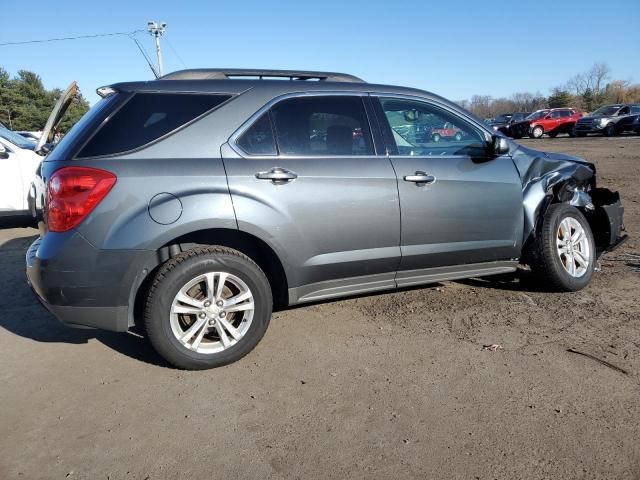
[(194, 204)]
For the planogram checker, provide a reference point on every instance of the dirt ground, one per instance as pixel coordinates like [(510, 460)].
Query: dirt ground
[(395, 385)]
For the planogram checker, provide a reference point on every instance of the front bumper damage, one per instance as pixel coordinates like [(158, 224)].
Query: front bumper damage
[(553, 177)]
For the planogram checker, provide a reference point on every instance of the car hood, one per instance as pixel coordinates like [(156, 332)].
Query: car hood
[(532, 153), (55, 117)]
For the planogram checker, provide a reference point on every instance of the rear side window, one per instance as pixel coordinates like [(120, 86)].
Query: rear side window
[(331, 125), (147, 117), (258, 139)]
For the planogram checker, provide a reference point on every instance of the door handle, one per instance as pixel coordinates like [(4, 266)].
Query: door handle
[(421, 178), (277, 175)]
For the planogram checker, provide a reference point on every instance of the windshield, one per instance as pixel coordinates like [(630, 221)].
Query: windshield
[(606, 111), (17, 140), (537, 115), (502, 118)]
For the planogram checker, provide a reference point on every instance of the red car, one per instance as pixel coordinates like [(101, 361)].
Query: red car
[(552, 121), (447, 131)]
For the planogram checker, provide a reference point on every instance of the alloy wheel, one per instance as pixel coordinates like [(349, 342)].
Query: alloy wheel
[(212, 312), (573, 248)]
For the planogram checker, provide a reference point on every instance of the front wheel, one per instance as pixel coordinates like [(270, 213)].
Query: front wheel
[(610, 130), (537, 132), (207, 307), (564, 252)]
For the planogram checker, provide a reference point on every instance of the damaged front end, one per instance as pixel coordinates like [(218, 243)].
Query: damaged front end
[(549, 178)]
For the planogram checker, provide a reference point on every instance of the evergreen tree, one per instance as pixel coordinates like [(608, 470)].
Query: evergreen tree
[(560, 98), (588, 100), (30, 103)]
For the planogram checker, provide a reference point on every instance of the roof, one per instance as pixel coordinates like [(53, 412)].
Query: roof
[(231, 73)]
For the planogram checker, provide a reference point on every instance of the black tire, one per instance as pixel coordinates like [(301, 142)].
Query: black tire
[(177, 272), (610, 130), (552, 134), (580, 134), (572, 133), (537, 132), (545, 259)]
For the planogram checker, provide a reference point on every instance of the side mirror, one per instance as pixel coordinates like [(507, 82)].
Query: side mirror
[(499, 145)]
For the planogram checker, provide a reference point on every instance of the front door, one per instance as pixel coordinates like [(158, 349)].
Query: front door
[(459, 206), (304, 174)]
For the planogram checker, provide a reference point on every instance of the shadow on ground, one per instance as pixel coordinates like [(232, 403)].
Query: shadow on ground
[(22, 314)]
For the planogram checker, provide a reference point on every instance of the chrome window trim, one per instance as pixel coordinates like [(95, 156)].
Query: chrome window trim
[(265, 108)]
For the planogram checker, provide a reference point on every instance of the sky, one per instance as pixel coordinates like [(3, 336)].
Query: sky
[(453, 48)]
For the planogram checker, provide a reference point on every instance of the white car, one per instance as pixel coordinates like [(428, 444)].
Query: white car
[(18, 165)]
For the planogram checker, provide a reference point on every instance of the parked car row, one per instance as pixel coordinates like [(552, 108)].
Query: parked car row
[(609, 120)]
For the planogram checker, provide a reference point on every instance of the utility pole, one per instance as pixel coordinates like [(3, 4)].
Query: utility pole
[(157, 32)]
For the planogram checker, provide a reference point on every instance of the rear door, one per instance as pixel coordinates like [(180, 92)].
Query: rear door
[(305, 176), (459, 206)]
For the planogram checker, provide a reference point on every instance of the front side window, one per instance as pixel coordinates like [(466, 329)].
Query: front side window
[(418, 128), (331, 125), (147, 117), (635, 110)]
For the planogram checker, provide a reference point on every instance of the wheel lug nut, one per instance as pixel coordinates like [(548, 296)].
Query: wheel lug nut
[(219, 303), (223, 314), (212, 322), (207, 304), (202, 315)]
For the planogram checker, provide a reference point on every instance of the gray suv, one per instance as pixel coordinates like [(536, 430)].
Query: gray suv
[(194, 204)]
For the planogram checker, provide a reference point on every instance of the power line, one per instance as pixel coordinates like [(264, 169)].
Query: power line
[(71, 38), (175, 52)]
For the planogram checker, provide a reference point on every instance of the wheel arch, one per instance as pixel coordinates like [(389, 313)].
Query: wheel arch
[(255, 248)]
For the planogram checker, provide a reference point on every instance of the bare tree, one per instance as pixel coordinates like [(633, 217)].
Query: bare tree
[(593, 80)]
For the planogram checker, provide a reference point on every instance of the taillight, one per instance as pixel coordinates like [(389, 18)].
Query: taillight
[(72, 193)]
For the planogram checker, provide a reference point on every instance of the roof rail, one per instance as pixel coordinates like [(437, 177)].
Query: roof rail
[(231, 73)]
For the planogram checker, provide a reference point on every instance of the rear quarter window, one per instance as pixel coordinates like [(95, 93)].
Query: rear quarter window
[(146, 117)]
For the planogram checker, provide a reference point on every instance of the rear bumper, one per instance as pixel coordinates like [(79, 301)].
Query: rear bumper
[(85, 286)]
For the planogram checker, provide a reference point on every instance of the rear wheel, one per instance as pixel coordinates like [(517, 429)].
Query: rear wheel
[(572, 132), (553, 134), (537, 132), (436, 137), (580, 134), (564, 252), (207, 307)]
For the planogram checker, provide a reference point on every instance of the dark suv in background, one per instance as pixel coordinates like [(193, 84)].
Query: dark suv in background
[(610, 120), (511, 124), (193, 204)]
